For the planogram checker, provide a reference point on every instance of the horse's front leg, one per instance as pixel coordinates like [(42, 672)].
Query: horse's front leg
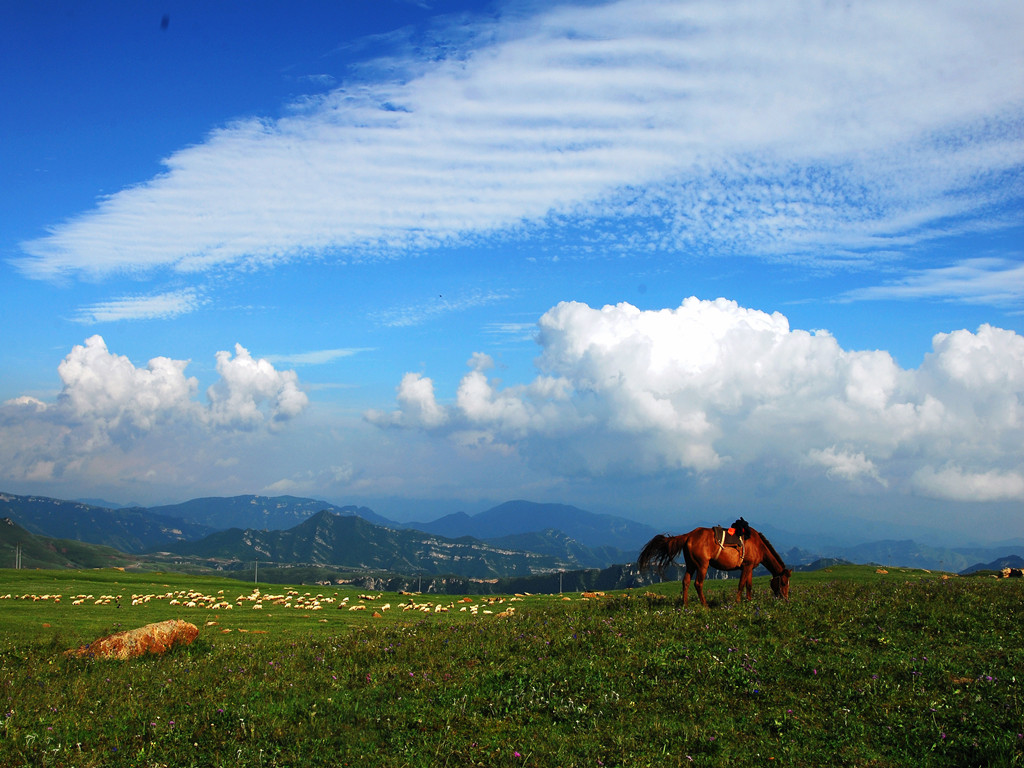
[(747, 581)]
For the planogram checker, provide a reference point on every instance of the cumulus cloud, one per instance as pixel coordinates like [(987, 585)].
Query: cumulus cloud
[(952, 482), (417, 405), (712, 386), (107, 391), (809, 131), (247, 387), (844, 464), (107, 401)]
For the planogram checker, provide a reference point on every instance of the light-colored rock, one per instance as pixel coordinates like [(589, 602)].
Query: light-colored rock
[(152, 638)]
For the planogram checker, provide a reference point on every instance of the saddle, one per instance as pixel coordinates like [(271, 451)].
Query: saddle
[(733, 537)]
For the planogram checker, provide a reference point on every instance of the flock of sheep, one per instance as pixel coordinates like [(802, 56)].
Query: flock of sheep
[(292, 599)]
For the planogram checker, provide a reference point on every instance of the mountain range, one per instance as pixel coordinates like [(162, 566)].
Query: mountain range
[(135, 529), (328, 538), (515, 538), (294, 530), (260, 512), (523, 517)]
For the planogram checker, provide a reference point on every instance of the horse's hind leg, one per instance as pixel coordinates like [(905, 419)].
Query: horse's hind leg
[(686, 584), (702, 571)]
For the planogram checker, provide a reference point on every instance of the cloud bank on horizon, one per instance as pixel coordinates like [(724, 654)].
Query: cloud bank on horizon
[(707, 388), (841, 136), (108, 405), (712, 386)]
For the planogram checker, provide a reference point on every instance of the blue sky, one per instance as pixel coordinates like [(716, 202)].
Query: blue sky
[(671, 260)]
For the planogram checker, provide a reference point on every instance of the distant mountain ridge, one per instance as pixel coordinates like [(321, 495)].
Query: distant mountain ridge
[(128, 530), (260, 512), (522, 517), (329, 538), (907, 553), (1010, 561)]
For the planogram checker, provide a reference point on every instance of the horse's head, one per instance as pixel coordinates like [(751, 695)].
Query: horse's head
[(780, 584)]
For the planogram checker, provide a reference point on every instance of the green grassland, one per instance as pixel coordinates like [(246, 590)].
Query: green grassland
[(859, 669)]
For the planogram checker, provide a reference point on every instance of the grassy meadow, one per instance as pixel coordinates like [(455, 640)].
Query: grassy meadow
[(858, 669)]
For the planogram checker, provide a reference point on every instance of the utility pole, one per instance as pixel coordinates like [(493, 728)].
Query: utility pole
[(256, 576)]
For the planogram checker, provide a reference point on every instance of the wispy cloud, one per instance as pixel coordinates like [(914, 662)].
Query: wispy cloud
[(516, 331), (417, 314), (799, 131), (983, 280), (160, 306), (315, 357)]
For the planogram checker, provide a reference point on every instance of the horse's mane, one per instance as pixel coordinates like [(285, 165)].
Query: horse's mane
[(770, 548)]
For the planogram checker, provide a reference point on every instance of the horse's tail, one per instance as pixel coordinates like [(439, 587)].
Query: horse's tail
[(659, 552)]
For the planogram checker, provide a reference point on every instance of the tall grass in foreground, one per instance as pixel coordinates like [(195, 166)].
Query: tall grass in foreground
[(883, 672)]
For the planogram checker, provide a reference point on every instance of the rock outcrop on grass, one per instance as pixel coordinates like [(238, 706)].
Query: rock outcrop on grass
[(152, 638)]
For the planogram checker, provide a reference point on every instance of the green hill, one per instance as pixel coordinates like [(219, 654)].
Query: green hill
[(44, 552)]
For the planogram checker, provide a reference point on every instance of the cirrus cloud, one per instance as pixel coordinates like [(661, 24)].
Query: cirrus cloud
[(162, 305), (817, 131)]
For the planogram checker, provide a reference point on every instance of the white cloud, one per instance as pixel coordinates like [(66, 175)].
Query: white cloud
[(712, 386), (418, 407), (109, 393), (246, 386), (156, 306), (331, 479), (980, 281), (316, 357), (25, 401), (952, 482), (418, 314), (844, 464), (106, 403), (813, 131)]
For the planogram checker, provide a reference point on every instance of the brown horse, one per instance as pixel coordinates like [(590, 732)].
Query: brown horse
[(700, 549)]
